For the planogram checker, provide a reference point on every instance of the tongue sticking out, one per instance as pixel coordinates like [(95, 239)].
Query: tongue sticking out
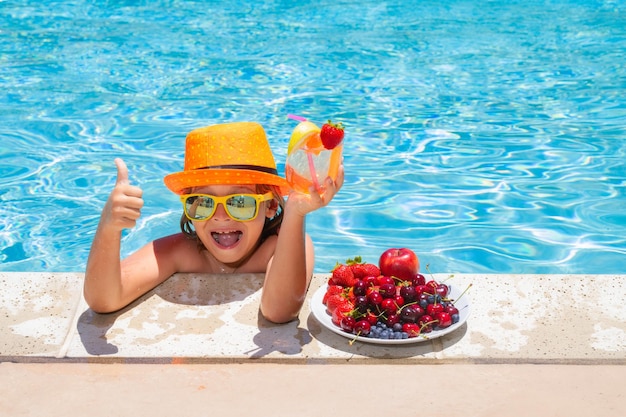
[(227, 239)]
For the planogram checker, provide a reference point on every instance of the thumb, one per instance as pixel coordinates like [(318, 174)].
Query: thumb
[(122, 172)]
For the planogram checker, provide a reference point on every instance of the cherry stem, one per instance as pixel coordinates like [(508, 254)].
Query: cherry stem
[(406, 305), (351, 342), (431, 274), (450, 277), (463, 293), (423, 326)]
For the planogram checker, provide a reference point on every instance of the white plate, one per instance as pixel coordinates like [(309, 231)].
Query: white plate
[(319, 311)]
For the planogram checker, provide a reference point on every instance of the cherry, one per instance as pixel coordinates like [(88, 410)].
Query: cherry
[(399, 300), (434, 309), (347, 323), (371, 281), (412, 329), (425, 322), (371, 289), (387, 290), (444, 319), (453, 312), (442, 290), (419, 279), (411, 313), (420, 289), (408, 293), (371, 318), (360, 288), (385, 280), (362, 327), (432, 286), (451, 309), (388, 305), (361, 303), (392, 319), (374, 298)]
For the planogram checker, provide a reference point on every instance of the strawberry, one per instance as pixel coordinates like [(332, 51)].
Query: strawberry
[(334, 301), (358, 270), (331, 134), (371, 270), (343, 275), (371, 317), (331, 290), (356, 265), (361, 269), (341, 311)]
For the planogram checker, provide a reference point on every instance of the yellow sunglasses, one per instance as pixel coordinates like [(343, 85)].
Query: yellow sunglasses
[(239, 207)]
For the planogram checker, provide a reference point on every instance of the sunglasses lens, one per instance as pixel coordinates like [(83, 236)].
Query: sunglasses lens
[(241, 207), (199, 207)]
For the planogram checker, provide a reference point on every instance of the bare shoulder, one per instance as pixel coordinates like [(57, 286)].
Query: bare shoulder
[(180, 251), (177, 240)]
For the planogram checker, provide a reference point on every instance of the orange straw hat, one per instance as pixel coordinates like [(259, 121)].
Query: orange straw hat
[(232, 153)]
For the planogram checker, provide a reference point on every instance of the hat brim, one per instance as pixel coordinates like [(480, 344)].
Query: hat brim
[(178, 182)]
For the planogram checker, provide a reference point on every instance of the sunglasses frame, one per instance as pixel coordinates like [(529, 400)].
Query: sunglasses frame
[(258, 198)]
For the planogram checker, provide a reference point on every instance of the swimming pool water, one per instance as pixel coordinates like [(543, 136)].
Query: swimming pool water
[(487, 136)]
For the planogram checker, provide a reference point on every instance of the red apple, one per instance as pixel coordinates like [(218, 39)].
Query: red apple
[(400, 263)]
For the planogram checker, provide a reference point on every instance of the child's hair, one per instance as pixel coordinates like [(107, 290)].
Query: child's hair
[(271, 227)]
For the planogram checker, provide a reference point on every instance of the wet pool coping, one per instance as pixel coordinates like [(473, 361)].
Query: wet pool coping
[(214, 319)]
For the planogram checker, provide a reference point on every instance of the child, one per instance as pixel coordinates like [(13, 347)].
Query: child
[(235, 220)]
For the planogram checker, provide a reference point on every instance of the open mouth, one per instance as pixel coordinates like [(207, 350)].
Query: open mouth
[(227, 239)]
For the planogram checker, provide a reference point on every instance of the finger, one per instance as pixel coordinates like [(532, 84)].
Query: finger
[(122, 172), (126, 217), (315, 197), (340, 177), (131, 214)]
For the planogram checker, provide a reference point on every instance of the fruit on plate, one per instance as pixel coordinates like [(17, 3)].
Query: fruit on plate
[(342, 275), (348, 274), (401, 263), (364, 301)]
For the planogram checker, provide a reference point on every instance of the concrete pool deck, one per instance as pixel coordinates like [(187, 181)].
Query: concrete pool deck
[(542, 345)]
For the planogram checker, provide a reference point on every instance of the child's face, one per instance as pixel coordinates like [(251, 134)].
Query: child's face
[(229, 240)]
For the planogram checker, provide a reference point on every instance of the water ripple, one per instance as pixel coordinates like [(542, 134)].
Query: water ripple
[(488, 137)]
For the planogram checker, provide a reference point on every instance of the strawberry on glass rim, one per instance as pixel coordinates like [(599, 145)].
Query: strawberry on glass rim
[(331, 134)]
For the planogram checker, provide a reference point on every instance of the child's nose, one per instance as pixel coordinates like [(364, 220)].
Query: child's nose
[(220, 212)]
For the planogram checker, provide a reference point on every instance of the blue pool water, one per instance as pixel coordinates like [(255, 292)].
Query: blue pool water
[(487, 136)]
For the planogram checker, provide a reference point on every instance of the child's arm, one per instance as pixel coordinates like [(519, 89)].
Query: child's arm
[(111, 284), (291, 268)]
